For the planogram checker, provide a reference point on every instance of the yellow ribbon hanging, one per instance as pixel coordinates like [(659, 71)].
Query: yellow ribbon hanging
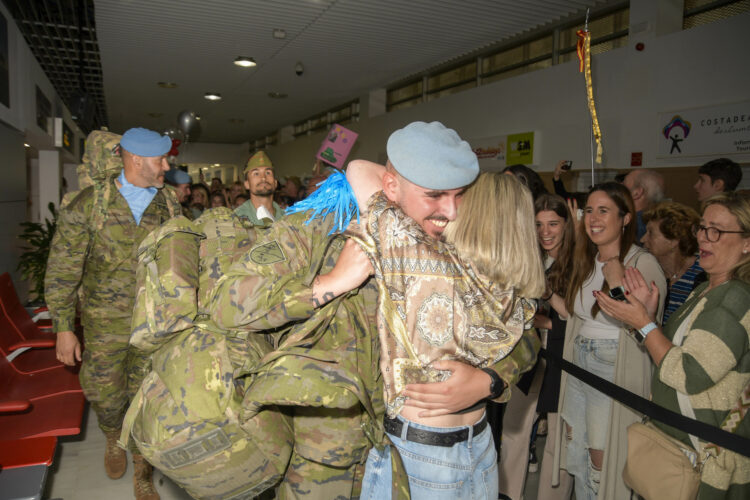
[(583, 47)]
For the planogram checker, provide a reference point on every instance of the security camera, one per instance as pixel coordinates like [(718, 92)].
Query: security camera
[(299, 69)]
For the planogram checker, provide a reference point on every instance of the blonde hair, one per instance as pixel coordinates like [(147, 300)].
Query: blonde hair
[(495, 230), (738, 205)]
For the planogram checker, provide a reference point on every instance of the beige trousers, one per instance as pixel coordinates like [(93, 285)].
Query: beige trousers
[(518, 421)]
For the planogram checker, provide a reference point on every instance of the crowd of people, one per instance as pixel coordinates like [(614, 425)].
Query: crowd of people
[(195, 197), (456, 278)]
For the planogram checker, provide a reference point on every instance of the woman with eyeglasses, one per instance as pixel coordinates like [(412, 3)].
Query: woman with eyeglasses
[(701, 354), (670, 237), (593, 444)]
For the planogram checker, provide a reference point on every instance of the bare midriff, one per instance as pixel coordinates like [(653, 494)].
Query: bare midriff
[(453, 420)]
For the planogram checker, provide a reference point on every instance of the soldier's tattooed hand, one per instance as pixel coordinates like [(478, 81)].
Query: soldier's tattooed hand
[(351, 270)]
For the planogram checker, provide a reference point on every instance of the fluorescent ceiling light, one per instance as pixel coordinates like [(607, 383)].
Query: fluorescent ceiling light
[(245, 62)]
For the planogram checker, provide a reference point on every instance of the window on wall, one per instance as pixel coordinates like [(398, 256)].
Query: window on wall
[(608, 31), (343, 114), (530, 56), (451, 81), (698, 12), (405, 96)]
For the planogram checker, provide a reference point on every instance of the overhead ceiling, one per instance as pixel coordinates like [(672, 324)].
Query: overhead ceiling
[(347, 48)]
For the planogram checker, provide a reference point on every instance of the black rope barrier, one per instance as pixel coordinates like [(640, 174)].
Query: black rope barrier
[(702, 430)]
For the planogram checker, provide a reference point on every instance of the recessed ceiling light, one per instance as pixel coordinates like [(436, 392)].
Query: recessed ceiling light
[(245, 62), (212, 96), (277, 95), (198, 117), (26, 145), (217, 164), (279, 33), (167, 85)]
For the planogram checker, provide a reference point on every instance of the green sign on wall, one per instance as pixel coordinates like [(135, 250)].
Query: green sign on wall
[(520, 149)]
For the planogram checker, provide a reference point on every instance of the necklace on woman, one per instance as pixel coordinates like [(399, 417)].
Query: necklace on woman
[(682, 270)]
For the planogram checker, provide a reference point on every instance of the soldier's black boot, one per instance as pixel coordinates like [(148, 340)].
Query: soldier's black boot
[(143, 481), (115, 458)]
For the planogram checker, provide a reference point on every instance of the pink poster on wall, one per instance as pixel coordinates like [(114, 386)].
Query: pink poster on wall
[(336, 146)]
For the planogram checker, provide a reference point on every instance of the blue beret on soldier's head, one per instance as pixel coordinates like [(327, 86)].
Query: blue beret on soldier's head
[(145, 142), (176, 176), (432, 156)]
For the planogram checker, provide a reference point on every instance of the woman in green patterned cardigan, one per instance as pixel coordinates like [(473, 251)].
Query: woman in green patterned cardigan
[(702, 353)]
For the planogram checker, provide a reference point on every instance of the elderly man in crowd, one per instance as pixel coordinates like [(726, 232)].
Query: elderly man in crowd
[(94, 251), (261, 182), (647, 189)]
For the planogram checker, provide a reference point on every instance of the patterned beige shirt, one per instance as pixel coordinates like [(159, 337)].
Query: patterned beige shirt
[(432, 305)]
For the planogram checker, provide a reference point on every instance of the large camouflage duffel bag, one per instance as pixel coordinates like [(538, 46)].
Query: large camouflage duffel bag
[(184, 416), (184, 420)]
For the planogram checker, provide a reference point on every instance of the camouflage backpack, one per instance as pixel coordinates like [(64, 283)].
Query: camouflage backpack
[(185, 415)]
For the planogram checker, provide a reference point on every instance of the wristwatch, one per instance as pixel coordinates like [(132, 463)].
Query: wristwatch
[(497, 386), (641, 333), (618, 293)]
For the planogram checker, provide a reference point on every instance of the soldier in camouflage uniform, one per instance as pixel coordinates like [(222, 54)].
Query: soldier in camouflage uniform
[(180, 181), (273, 287), (94, 252), (260, 182)]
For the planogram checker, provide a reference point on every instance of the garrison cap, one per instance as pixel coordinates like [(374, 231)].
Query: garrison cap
[(432, 156), (145, 142), (259, 159), (176, 176)]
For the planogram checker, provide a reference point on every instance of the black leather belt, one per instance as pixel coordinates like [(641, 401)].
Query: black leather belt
[(414, 434)]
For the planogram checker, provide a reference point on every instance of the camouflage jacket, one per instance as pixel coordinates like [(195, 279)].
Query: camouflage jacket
[(101, 263)]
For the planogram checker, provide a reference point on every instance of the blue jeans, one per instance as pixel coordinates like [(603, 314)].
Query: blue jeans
[(466, 470), (587, 411)]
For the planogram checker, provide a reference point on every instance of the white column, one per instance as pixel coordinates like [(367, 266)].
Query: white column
[(50, 175), (373, 103)]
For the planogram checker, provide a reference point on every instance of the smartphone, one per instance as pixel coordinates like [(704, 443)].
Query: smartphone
[(567, 165)]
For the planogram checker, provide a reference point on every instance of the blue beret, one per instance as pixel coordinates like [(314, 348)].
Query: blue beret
[(145, 142), (176, 176), (432, 156)]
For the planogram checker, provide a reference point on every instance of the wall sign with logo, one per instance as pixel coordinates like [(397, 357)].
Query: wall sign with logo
[(490, 151), (721, 130), (520, 149)]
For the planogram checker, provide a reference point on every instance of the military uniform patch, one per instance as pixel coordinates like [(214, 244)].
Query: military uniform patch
[(268, 253)]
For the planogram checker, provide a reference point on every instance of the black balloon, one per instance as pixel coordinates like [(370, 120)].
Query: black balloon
[(187, 122)]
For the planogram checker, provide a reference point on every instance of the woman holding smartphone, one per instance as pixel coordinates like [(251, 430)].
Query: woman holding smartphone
[(593, 444)]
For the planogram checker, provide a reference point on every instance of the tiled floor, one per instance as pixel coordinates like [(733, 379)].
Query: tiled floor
[(78, 472)]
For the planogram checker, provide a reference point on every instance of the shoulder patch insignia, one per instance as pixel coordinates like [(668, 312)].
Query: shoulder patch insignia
[(268, 253)]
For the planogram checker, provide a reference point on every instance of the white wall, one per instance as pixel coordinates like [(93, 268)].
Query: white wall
[(703, 66), (18, 126)]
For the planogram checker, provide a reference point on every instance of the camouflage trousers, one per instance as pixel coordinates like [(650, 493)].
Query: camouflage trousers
[(107, 364), (306, 479), (328, 457)]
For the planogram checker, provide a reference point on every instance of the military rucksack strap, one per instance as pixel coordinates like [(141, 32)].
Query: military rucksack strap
[(98, 211)]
